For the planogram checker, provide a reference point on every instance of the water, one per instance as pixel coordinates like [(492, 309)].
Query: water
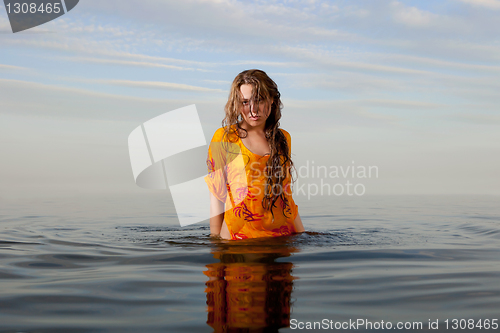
[(121, 264)]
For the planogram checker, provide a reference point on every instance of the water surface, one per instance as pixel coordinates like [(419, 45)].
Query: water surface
[(122, 264)]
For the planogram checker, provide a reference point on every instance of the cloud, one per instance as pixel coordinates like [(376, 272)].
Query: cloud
[(265, 63), (10, 67), (327, 115), (215, 28), (343, 82), (478, 119), (227, 83), (329, 60), (26, 98), (4, 22), (401, 104), (158, 85), (412, 16), (232, 22), (94, 47), (132, 63), (435, 63), (490, 4)]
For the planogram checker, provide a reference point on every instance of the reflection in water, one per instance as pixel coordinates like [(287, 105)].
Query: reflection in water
[(248, 290)]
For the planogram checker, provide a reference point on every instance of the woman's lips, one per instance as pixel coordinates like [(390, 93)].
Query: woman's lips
[(254, 118)]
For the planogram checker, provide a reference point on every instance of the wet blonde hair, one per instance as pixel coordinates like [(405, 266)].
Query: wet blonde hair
[(280, 163)]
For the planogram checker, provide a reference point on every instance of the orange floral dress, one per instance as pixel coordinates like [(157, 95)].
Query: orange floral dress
[(236, 178)]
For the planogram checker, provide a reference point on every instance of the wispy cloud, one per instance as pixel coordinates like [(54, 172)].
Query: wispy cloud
[(218, 82), (412, 16), (265, 63), (340, 114), (401, 104), (103, 48), (10, 67), (326, 59), (490, 4), (222, 20), (48, 100), (478, 119), (132, 63), (435, 63), (158, 85)]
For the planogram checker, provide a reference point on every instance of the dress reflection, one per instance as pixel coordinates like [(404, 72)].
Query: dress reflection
[(247, 290)]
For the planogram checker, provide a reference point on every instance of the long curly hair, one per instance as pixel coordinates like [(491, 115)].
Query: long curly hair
[(279, 164)]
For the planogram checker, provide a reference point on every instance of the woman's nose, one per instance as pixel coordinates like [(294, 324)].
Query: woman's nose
[(253, 109)]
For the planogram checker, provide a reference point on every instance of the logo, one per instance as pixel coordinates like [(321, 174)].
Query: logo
[(25, 15), (170, 150)]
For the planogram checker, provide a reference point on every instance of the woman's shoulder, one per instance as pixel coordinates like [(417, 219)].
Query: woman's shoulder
[(220, 135), (288, 138), (287, 135)]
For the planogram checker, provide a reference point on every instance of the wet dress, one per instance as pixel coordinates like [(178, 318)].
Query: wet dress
[(236, 177)]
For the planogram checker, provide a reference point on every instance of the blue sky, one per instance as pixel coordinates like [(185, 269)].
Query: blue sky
[(408, 86)]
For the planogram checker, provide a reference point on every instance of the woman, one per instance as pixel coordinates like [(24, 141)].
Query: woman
[(255, 199)]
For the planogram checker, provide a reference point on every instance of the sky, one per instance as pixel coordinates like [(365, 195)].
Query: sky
[(411, 87)]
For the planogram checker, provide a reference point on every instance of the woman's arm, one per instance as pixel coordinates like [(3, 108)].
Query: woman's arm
[(298, 224), (216, 215)]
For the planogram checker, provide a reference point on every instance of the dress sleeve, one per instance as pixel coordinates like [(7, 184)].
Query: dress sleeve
[(216, 165)]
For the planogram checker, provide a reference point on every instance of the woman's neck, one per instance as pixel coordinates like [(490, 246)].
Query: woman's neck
[(253, 129)]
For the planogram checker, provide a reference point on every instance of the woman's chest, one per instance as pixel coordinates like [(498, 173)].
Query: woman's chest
[(256, 145)]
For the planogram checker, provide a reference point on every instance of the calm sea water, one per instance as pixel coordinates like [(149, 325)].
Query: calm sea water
[(122, 264)]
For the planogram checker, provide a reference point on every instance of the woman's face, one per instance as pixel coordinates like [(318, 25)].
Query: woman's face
[(254, 114)]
